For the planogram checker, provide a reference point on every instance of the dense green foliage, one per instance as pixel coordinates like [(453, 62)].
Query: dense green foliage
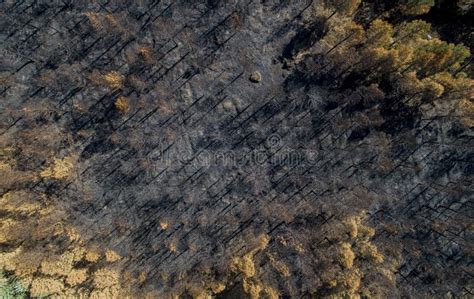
[(10, 287)]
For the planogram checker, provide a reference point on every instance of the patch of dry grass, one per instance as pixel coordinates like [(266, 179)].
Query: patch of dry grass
[(41, 287), (122, 104), (60, 169), (106, 277)]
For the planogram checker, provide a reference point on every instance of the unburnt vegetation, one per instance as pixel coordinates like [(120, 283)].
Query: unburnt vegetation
[(236, 149)]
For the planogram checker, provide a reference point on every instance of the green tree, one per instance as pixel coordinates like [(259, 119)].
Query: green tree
[(416, 7), (407, 32), (379, 33), (345, 6), (11, 288), (433, 56)]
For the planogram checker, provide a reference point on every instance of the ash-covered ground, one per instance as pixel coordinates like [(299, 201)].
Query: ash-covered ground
[(197, 142)]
